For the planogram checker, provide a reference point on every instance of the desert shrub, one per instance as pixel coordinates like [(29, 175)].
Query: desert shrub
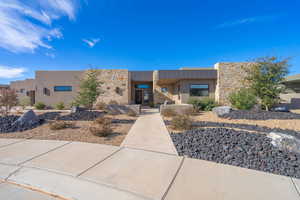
[(102, 127), (168, 112), (182, 122), (24, 102), (58, 125), (243, 99), (60, 106), (74, 104), (100, 105), (40, 106), (205, 104), (131, 113)]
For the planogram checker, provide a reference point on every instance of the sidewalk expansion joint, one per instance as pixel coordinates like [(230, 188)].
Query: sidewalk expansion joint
[(21, 140), (45, 153), (173, 180), (296, 187), (147, 150), (107, 157), (12, 173)]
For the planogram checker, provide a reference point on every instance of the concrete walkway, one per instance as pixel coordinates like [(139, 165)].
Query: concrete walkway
[(150, 133), (83, 171)]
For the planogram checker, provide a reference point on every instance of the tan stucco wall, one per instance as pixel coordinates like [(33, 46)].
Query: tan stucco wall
[(112, 79), (26, 85), (230, 78), (49, 79)]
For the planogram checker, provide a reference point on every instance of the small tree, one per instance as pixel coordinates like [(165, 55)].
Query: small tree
[(90, 89), (8, 99), (265, 79), (243, 99)]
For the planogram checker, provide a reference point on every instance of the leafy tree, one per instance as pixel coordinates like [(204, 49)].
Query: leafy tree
[(8, 99), (265, 79), (90, 89)]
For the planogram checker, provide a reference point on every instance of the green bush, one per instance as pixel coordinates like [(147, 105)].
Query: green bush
[(205, 104), (243, 99), (39, 106), (60, 106)]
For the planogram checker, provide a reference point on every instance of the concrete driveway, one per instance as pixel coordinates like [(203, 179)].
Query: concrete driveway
[(74, 170)]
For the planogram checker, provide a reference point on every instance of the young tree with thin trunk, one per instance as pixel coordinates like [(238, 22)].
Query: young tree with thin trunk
[(265, 78), (8, 99), (90, 89)]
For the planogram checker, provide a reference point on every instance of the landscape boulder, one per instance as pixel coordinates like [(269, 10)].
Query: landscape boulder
[(222, 110), (116, 109), (285, 142), (76, 109), (28, 118), (281, 109)]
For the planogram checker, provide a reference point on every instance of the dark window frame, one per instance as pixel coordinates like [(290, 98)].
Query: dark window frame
[(204, 89), (56, 88)]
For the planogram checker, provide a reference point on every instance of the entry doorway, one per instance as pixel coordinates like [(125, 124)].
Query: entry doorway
[(143, 94)]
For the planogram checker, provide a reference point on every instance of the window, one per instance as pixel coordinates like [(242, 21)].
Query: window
[(142, 86), (164, 90), (46, 91), (22, 90), (62, 88), (199, 90)]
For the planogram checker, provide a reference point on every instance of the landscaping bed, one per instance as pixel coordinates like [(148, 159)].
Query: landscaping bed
[(261, 115), (78, 131), (239, 148)]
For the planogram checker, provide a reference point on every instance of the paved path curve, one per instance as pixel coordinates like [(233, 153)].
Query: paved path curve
[(150, 133), (84, 171)]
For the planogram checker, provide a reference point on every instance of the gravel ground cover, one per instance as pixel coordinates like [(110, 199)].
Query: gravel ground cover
[(262, 115), (238, 148), (246, 127), (79, 132)]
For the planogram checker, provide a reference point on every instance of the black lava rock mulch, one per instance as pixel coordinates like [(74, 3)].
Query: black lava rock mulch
[(7, 124), (82, 116), (238, 148), (246, 127), (262, 115)]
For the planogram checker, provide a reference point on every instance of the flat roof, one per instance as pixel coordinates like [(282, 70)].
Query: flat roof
[(293, 78)]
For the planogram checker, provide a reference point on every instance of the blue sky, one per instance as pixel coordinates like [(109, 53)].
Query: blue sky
[(143, 35)]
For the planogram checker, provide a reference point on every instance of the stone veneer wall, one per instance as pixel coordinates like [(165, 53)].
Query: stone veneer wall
[(115, 86), (158, 96), (230, 78)]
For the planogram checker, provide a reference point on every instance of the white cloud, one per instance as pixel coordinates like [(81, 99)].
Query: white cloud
[(11, 72), (91, 42), (245, 21), (25, 27), (51, 55)]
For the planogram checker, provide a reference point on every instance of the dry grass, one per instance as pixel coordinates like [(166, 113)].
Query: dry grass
[(58, 125), (79, 132), (182, 122)]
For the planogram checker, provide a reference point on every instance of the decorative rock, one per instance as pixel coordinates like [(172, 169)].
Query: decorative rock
[(285, 142), (116, 109), (281, 109), (28, 118), (75, 109), (222, 110), (239, 148)]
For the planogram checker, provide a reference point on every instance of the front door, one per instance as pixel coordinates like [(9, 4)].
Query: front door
[(139, 96)]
